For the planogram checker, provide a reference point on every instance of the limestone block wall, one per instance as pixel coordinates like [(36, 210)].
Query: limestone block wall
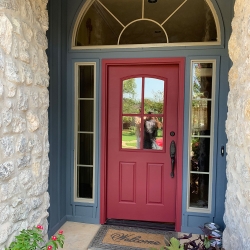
[(237, 214), (24, 100)]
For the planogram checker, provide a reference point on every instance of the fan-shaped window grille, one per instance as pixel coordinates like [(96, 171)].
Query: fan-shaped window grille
[(121, 22)]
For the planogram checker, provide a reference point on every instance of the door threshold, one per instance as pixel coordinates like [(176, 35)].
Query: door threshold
[(142, 224)]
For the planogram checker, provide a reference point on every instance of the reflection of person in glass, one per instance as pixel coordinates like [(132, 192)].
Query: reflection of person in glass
[(150, 132)]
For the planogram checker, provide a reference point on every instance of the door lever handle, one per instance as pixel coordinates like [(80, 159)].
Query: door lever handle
[(172, 156)]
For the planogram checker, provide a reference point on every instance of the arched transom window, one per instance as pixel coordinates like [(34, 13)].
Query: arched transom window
[(126, 22)]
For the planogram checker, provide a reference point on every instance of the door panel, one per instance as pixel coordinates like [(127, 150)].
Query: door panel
[(154, 182), (127, 182), (139, 185)]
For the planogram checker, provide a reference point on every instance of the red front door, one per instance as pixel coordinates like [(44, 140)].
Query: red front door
[(142, 123)]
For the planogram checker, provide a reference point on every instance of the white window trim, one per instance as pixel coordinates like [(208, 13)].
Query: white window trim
[(88, 4), (76, 72), (211, 160)]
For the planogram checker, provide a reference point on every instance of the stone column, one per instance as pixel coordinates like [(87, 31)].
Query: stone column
[(237, 214), (24, 101)]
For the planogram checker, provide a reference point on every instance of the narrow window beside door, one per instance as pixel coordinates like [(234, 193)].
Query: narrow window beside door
[(85, 132), (201, 134)]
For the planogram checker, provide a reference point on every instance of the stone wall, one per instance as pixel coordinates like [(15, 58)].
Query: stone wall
[(24, 100), (237, 214)]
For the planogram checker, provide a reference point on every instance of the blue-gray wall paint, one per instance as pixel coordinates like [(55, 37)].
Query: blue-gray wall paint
[(57, 41), (62, 16)]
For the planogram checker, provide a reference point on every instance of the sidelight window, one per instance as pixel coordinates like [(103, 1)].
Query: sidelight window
[(201, 134), (85, 132)]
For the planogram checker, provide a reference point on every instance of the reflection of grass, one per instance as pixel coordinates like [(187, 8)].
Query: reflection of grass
[(128, 138), (159, 133), (128, 132), (128, 135)]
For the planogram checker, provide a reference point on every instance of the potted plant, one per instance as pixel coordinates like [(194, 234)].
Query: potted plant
[(32, 239), (191, 243)]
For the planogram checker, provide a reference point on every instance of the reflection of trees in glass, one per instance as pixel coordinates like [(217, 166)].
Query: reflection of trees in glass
[(202, 80), (201, 89), (195, 149), (196, 81), (200, 144), (129, 87), (132, 100), (200, 114), (156, 103), (130, 104)]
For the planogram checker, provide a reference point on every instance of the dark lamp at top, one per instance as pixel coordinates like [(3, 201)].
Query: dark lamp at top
[(152, 1)]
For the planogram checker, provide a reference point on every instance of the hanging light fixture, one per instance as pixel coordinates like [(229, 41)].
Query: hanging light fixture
[(152, 1)]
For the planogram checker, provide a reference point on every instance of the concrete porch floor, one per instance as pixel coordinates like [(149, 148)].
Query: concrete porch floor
[(79, 235)]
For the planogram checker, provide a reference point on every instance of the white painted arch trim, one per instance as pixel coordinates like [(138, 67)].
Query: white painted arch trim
[(138, 20), (87, 5)]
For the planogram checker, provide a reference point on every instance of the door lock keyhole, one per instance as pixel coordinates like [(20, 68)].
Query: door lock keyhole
[(172, 133)]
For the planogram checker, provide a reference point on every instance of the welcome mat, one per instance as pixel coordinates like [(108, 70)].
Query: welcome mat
[(128, 238)]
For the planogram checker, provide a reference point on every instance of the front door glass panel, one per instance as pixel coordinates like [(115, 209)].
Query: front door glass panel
[(132, 96), (142, 113)]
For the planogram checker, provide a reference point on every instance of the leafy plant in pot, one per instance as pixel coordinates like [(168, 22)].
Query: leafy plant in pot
[(191, 243), (32, 239)]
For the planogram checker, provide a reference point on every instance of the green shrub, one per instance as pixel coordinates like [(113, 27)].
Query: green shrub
[(31, 239)]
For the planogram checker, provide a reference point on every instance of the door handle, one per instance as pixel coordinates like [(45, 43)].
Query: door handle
[(172, 156)]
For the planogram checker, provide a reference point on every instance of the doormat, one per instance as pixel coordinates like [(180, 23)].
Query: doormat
[(141, 224), (128, 238)]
